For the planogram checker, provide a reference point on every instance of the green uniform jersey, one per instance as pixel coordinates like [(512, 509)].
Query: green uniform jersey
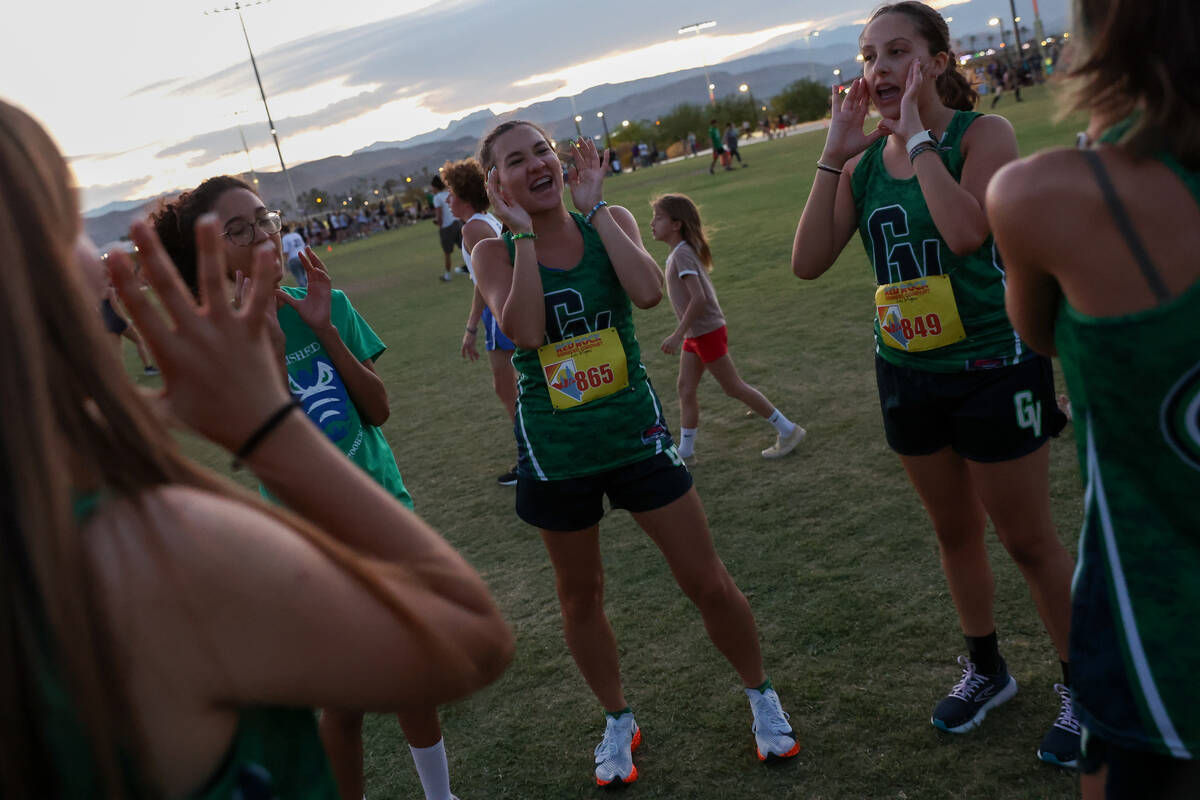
[(1134, 382), (315, 382), (621, 428), (904, 244)]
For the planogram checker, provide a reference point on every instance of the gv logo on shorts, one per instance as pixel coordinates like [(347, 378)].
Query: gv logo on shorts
[(1029, 411)]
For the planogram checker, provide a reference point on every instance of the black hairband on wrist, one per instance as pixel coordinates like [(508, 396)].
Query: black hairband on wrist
[(257, 437)]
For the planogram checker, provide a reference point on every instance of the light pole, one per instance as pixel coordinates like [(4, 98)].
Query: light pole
[(837, 74), (578, 130), (242, 133), (745, 89), (695, 28), (604, 122), (998, 21), (238, 6)]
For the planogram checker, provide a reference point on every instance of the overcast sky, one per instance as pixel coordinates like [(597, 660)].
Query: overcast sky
[(142, 94)]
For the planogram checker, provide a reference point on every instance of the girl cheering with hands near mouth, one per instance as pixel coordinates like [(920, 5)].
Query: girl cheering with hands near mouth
[(588, 422), (962, 396)]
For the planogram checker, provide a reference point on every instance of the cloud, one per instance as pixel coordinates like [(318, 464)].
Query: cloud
[(150, 87), (471, 53), (100, 194), (210, 146)]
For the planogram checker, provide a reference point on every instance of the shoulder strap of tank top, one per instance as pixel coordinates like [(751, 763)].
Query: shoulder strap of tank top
[(1125, 226)]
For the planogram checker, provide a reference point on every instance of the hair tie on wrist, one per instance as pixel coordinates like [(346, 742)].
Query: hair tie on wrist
[(827, 168), (923, 147), (257, 437), (525, 235), (473, 331), (595, 208)]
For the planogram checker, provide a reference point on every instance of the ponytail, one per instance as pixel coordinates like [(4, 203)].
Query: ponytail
[(954, 89)]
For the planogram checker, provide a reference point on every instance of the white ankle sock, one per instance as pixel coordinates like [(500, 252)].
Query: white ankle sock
[(687, 442), (783, 426), (432, 770)]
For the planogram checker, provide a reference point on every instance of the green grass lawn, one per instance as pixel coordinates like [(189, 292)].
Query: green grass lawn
[(831, 544)]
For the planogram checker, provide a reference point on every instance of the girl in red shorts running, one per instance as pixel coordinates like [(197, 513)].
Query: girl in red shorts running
[(701, 329)]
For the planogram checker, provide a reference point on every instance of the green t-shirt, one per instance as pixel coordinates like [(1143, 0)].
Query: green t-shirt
[(904, 244), (1134, 382), (622, 428), (317, 385), (715, 136)]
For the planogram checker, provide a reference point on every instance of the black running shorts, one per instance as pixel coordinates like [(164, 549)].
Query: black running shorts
[(573, 504), (997, 414)]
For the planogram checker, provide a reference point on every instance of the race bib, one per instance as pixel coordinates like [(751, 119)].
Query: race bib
[(584, 368), (919, 315)]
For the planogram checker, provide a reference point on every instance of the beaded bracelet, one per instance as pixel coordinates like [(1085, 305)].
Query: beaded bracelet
[(525, 235), (595, 208)]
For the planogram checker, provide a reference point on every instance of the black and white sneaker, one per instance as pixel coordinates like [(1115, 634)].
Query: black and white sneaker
[(1060, 745), (509, 478), (972, 698)]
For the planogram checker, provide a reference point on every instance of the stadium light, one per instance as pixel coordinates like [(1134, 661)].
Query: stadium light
[(695, 28), (604, 122), (237, 7)]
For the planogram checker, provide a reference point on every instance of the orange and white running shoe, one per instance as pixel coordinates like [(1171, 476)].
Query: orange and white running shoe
[(614, 754), (773, 735)]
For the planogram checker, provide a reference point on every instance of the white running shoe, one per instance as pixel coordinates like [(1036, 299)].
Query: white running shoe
[(614, 754), (773, 734), (784, 445)]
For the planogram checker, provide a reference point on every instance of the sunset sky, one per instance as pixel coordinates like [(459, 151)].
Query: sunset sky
[(142, 95)]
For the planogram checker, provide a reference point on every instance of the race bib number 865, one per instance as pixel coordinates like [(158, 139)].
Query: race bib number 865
[(584, 368)]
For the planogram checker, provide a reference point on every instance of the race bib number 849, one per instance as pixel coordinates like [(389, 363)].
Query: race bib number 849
[(919, 314), (584, 368)]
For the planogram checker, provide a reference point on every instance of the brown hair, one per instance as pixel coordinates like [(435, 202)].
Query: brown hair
[(952, 86), (486, 157), (468, 182), (175, 221), (1134, 58), (680, 208), (72, 420)]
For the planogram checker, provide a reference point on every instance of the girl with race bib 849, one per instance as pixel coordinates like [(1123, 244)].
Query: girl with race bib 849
[(966, 404)]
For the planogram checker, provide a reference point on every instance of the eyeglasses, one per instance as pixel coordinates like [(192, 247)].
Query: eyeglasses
[(241, 232)]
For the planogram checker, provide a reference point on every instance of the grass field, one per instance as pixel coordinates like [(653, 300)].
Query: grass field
[(830, 544)]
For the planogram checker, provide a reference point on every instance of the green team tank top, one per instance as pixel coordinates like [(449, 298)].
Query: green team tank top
[(608, 432), (1134, 383), (903, 244)]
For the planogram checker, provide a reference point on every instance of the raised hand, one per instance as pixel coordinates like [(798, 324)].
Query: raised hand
[(314, 308), (846, 138), (220, 368), (586, 176), (515, 218), (909, 123)]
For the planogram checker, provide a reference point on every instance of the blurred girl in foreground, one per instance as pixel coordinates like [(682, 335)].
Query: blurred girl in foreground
[(166, 633), (1101, 251)]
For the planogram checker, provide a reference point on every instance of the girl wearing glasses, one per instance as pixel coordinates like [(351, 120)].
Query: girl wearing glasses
[(328, 352)]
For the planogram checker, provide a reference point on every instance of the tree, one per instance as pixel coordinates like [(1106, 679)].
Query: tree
[(804, 99)]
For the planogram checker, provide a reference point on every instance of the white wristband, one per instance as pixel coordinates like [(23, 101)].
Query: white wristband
[(917, 138)]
